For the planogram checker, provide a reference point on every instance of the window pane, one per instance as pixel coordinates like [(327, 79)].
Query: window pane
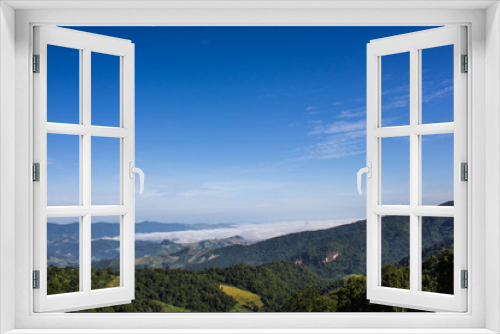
[(106, 171), (437, 254), (63, 169), (395, 89), (63, 255), (395, 251), (63, 85), (105, 90), (395, 171), (437, 169), (105, 251), (437, 84)]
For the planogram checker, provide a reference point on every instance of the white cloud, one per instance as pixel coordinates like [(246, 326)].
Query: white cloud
[(251, 232), (337, 140), (340, 127), (266, 96), (227, 188), (399, 97), (311, 110), (353, 113), (398, 101), (438, 94), (255, 170), (202, 191), (405, 88), (338, 146)]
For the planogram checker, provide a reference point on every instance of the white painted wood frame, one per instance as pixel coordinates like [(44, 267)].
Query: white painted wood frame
[(86, 43), (483, 20), (414, 43)]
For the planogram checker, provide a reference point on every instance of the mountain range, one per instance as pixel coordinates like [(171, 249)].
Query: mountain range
[(63, 241), (309, 271), (331, 253), (111, 230)]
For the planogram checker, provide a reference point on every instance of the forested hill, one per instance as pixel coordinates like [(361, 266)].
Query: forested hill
[(271, 287), (179, 290), (308, 248), (332, 253)]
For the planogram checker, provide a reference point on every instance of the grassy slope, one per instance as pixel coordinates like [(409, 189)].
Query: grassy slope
[(244, 298), (114, 283)]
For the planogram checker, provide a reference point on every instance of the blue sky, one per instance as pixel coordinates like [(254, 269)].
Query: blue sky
[(249, 124)]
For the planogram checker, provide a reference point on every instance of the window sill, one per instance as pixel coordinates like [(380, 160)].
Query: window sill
[(251, 331)]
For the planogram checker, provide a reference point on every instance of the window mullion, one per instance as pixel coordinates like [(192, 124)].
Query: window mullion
[(85, 179), (415, 171), (418, 118)]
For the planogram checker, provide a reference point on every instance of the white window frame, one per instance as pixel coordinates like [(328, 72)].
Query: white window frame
[(414, 43), (482, 19), (85, 43)]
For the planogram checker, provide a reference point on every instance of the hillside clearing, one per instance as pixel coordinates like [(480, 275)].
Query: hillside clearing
[(115, 282), (245, 298)]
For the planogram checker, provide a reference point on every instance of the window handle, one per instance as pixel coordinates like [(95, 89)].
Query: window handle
[(139, 171), (368, 171)]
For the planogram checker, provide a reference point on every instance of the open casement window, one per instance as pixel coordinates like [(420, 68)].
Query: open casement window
[(416, 129), (75, 56)]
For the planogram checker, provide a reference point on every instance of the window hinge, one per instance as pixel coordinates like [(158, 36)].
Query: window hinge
[(36, 172), (464, 171), (465, 64), (465, 279), (36, 279), (36, 63)]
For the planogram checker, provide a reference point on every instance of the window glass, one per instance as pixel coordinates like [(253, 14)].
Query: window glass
[(395, 89), (63, 255), (395, 171), (437, 169), (437, 254), (63, 170), (105, 249), (106, 169), (437, 84), (63, 85), (105, 90), (395, 252)]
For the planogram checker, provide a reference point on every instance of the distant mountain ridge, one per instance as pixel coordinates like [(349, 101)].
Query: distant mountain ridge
[(111, 230), (63, 241), (331, 253), (216, 243), (65, 252)]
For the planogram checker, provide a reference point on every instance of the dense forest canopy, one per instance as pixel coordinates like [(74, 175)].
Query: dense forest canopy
[(280, 286)]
